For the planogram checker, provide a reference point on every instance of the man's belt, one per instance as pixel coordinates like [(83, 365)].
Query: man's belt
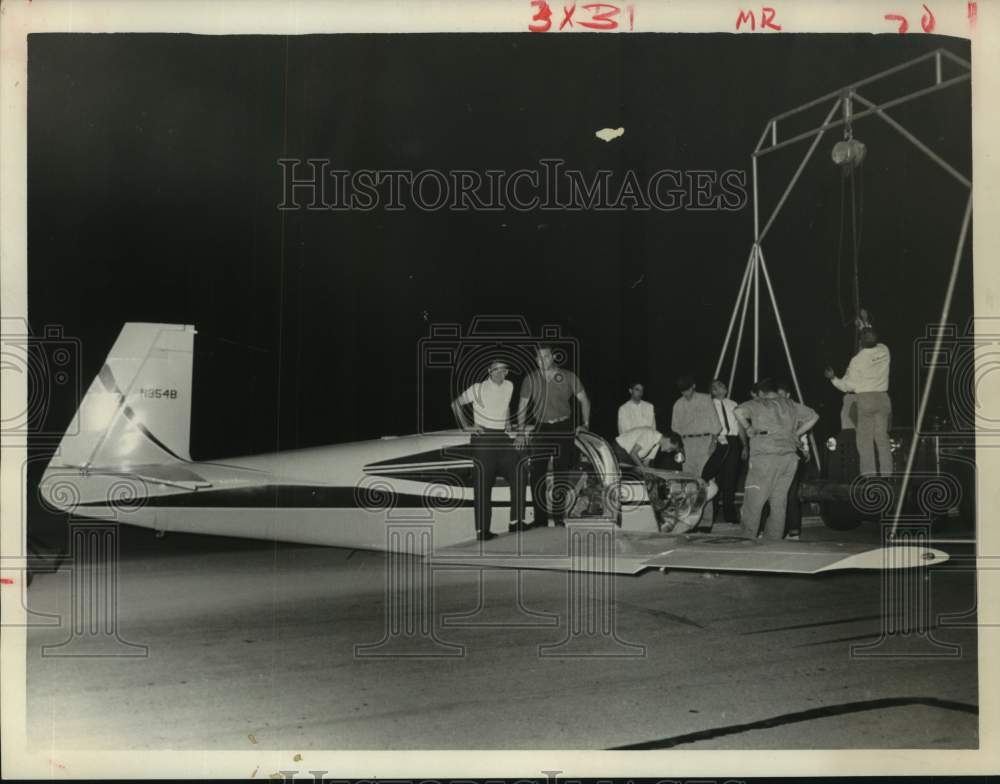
[(697, 435), (555, 421)]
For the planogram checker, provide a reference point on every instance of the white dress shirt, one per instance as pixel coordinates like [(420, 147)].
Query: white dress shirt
[(490, 403), (632, 415), (647, 438), (727, 419)]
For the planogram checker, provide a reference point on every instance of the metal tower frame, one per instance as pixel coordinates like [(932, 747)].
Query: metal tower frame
[(844, 100)]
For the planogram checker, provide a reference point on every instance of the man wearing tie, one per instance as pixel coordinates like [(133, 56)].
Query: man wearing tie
[(731, 447)]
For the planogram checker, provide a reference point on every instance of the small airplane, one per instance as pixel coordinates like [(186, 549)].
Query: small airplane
[(125, 458)]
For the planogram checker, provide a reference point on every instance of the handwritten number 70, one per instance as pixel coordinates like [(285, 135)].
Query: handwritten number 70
[(926, 21)]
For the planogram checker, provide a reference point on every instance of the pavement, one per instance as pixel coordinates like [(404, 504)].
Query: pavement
[(232, 644)]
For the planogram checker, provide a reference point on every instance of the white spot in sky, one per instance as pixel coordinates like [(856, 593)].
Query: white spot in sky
[(607, 134)]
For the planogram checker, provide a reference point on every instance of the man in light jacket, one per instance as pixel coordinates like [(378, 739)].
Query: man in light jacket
[(868, 377)]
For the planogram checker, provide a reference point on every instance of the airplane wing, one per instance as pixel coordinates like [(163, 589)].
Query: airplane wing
[(613, 551)]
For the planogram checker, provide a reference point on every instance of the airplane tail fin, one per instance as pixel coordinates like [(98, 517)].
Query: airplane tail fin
[(138, 409)]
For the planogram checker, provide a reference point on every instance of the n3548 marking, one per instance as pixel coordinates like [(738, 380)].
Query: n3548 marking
[(157, 394)]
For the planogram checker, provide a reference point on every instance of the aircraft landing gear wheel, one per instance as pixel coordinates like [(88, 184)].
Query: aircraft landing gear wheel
[(840, 515)]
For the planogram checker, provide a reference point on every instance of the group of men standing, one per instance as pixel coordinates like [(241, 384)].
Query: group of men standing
[(710, 436), (704, 438), (717, 435), (549, 394)]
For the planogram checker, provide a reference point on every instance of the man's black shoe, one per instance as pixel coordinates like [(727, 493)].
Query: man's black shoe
[(518, 527), (540, 524), (485, 536), (560, 523)]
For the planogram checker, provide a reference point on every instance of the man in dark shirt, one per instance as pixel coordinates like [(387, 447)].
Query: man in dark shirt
[(547, 394), (774, 425)]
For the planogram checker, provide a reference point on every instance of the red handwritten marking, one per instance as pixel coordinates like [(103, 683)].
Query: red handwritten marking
[(602, 17), (567, 16), (603, 20), (767, 15), (973, 12), (927, 20), (6, 580), (903, 24), (542, 20), (57, 764)]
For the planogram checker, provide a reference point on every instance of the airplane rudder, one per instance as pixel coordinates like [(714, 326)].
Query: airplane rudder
[(138, 408)]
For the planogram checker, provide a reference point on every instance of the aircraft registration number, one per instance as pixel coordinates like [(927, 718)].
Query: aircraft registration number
[(151, 392)]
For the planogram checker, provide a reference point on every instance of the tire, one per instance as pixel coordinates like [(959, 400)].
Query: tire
[(839, 515)]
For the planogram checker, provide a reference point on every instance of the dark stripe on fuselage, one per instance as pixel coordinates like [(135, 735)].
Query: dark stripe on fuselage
[(460, 476), (442, 455), (307, 497), (299, 497)]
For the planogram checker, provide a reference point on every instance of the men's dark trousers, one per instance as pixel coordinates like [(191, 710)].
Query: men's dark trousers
[(554, 440), (493, 453), (793, 512), (724, 466)]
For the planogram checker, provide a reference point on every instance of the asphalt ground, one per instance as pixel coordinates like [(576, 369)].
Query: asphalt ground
[(233, 644)]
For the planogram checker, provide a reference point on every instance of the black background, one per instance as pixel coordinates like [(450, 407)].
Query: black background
[(153, 190)]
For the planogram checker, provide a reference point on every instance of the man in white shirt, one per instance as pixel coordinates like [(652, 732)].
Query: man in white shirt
[(868, 376), (636, 412), (731, 447), (640, 445), (492, 448)]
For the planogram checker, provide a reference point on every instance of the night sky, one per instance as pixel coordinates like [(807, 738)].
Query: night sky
[(153, 186)]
